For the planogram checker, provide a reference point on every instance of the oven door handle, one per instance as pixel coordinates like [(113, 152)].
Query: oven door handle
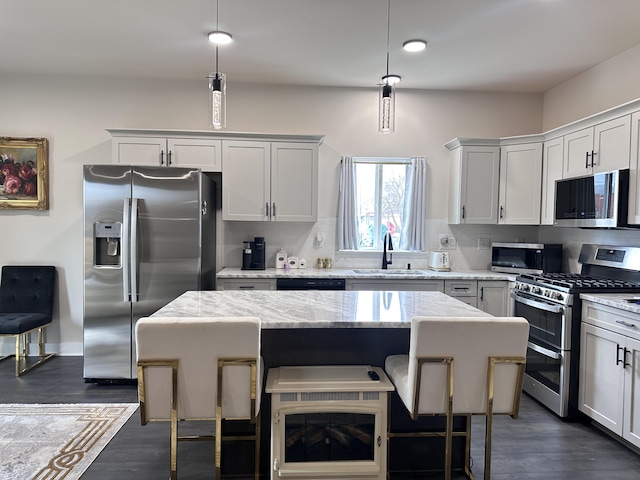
[(540, 305), (544, 351)]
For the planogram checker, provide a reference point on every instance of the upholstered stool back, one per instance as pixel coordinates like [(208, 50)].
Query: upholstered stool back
[(198, 343), (470, 341), (27, 289)]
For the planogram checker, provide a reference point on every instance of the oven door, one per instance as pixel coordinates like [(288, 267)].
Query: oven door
[(548, 353)]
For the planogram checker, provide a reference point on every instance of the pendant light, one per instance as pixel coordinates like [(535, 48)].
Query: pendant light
[(218, 82), (387, 97)]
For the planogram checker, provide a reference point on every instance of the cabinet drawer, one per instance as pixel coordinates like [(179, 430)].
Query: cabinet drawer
[(613, 319), (461, 288)]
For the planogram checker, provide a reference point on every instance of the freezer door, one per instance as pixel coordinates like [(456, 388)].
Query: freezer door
[(166, 255), (107, 315)]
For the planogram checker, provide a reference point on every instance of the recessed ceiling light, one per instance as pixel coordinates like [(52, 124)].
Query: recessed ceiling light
[(414, 45), (219, 38), (391, 79)]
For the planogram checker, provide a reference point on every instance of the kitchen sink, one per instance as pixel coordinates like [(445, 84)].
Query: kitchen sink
[(382, 271)]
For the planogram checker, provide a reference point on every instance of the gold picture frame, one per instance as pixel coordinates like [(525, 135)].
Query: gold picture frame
[(24, 182)]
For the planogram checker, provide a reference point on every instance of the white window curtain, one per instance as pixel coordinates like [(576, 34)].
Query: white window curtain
[(347, 227), (413, 236)]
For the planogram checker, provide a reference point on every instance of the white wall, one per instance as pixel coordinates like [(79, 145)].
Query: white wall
[(73, 114), (612, 83)]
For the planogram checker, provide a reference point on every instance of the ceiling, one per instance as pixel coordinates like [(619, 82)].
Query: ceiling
[(483, 45)]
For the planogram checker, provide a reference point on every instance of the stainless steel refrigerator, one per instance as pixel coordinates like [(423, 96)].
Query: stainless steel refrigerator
[(149, 236)]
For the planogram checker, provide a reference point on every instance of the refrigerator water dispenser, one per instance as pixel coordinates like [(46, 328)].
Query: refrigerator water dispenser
[(107, 243)]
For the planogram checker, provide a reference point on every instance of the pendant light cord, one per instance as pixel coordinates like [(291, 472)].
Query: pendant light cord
[(388, 30)]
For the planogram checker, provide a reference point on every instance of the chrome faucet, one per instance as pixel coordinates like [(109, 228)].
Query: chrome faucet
[(386, 261)]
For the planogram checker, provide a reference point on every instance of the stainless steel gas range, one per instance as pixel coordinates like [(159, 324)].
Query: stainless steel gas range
[(551, 304)]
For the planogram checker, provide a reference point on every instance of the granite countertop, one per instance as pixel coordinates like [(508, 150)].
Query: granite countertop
[(319, 309), (367, 273), (616, 300)]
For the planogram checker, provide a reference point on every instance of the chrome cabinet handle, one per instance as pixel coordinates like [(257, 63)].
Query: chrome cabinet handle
[(544, 351), (273, 210), (266, 207), (618, 360)]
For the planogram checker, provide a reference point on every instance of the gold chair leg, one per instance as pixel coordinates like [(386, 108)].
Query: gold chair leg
[(22, 352)]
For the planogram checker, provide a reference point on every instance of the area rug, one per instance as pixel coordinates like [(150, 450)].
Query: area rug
[(56, 441)]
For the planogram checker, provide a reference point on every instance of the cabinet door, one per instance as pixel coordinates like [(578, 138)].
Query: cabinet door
[(479, 182), (245, 186), (140, 151), (601, 382), (631, 426), (551, 171), (634, 174), (195, 153), (611, 144), (520, 184), (493, 297), (576, 146), (294, 182)]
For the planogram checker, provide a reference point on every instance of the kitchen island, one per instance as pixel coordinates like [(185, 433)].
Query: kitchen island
[(338, 328)]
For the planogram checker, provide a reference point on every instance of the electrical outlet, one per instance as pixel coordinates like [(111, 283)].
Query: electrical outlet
[(484, 243), (447, 242)]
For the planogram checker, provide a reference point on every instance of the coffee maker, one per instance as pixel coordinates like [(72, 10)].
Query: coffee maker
[(253, 254)]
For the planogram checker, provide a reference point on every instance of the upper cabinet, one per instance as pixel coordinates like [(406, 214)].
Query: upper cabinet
[(192, 152), (634, 173), (270, 181), (551, 171), (474, 183), (601, 148), (492, 184), (520, 184)]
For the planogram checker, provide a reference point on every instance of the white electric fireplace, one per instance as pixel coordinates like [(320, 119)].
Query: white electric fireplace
[(328, 422)]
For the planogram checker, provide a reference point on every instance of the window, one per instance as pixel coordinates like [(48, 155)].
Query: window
[(379, 196), (380, 185)]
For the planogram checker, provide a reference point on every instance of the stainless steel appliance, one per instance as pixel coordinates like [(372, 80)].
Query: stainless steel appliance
[(526, 257), (149, 236), (551, 303), (310, 283), (599, 200)]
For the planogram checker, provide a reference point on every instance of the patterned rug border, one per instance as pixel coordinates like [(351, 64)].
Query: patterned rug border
[(100, 422)]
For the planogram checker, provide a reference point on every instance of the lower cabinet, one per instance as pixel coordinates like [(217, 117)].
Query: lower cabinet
[(464, 290), (246, 284), (609, 387), (494, 297)]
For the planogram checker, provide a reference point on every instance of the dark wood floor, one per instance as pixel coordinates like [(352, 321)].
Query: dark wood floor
[(538, 445)]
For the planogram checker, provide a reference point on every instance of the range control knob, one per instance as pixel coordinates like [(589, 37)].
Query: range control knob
[(536, 290)]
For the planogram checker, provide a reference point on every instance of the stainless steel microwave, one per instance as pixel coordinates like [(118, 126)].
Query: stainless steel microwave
[(599, 200), (521, 258)]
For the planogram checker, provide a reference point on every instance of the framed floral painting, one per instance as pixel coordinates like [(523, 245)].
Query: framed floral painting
[(24, 182)]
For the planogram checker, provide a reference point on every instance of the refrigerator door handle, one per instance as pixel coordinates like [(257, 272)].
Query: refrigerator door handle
[(134, 250), (126, 227)]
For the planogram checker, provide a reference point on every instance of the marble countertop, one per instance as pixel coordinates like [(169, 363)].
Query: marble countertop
[(616, 300), (319, 309), (368, 273)]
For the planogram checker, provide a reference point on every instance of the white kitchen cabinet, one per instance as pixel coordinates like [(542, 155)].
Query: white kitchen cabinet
[(246, 284), (203, 153), (601, 148), (634, 173), (270, 181), (609, 386), (464, 290), (494, 297), (551, 171), (474, 182), (520, 184)]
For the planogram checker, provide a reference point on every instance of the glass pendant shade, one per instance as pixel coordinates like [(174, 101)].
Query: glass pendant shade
[(217, 100), (387, 108)]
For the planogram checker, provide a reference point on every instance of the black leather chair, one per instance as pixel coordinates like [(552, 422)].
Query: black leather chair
[(26, 305)]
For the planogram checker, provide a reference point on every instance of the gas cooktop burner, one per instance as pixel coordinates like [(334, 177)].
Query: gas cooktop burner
[(575, 281)]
